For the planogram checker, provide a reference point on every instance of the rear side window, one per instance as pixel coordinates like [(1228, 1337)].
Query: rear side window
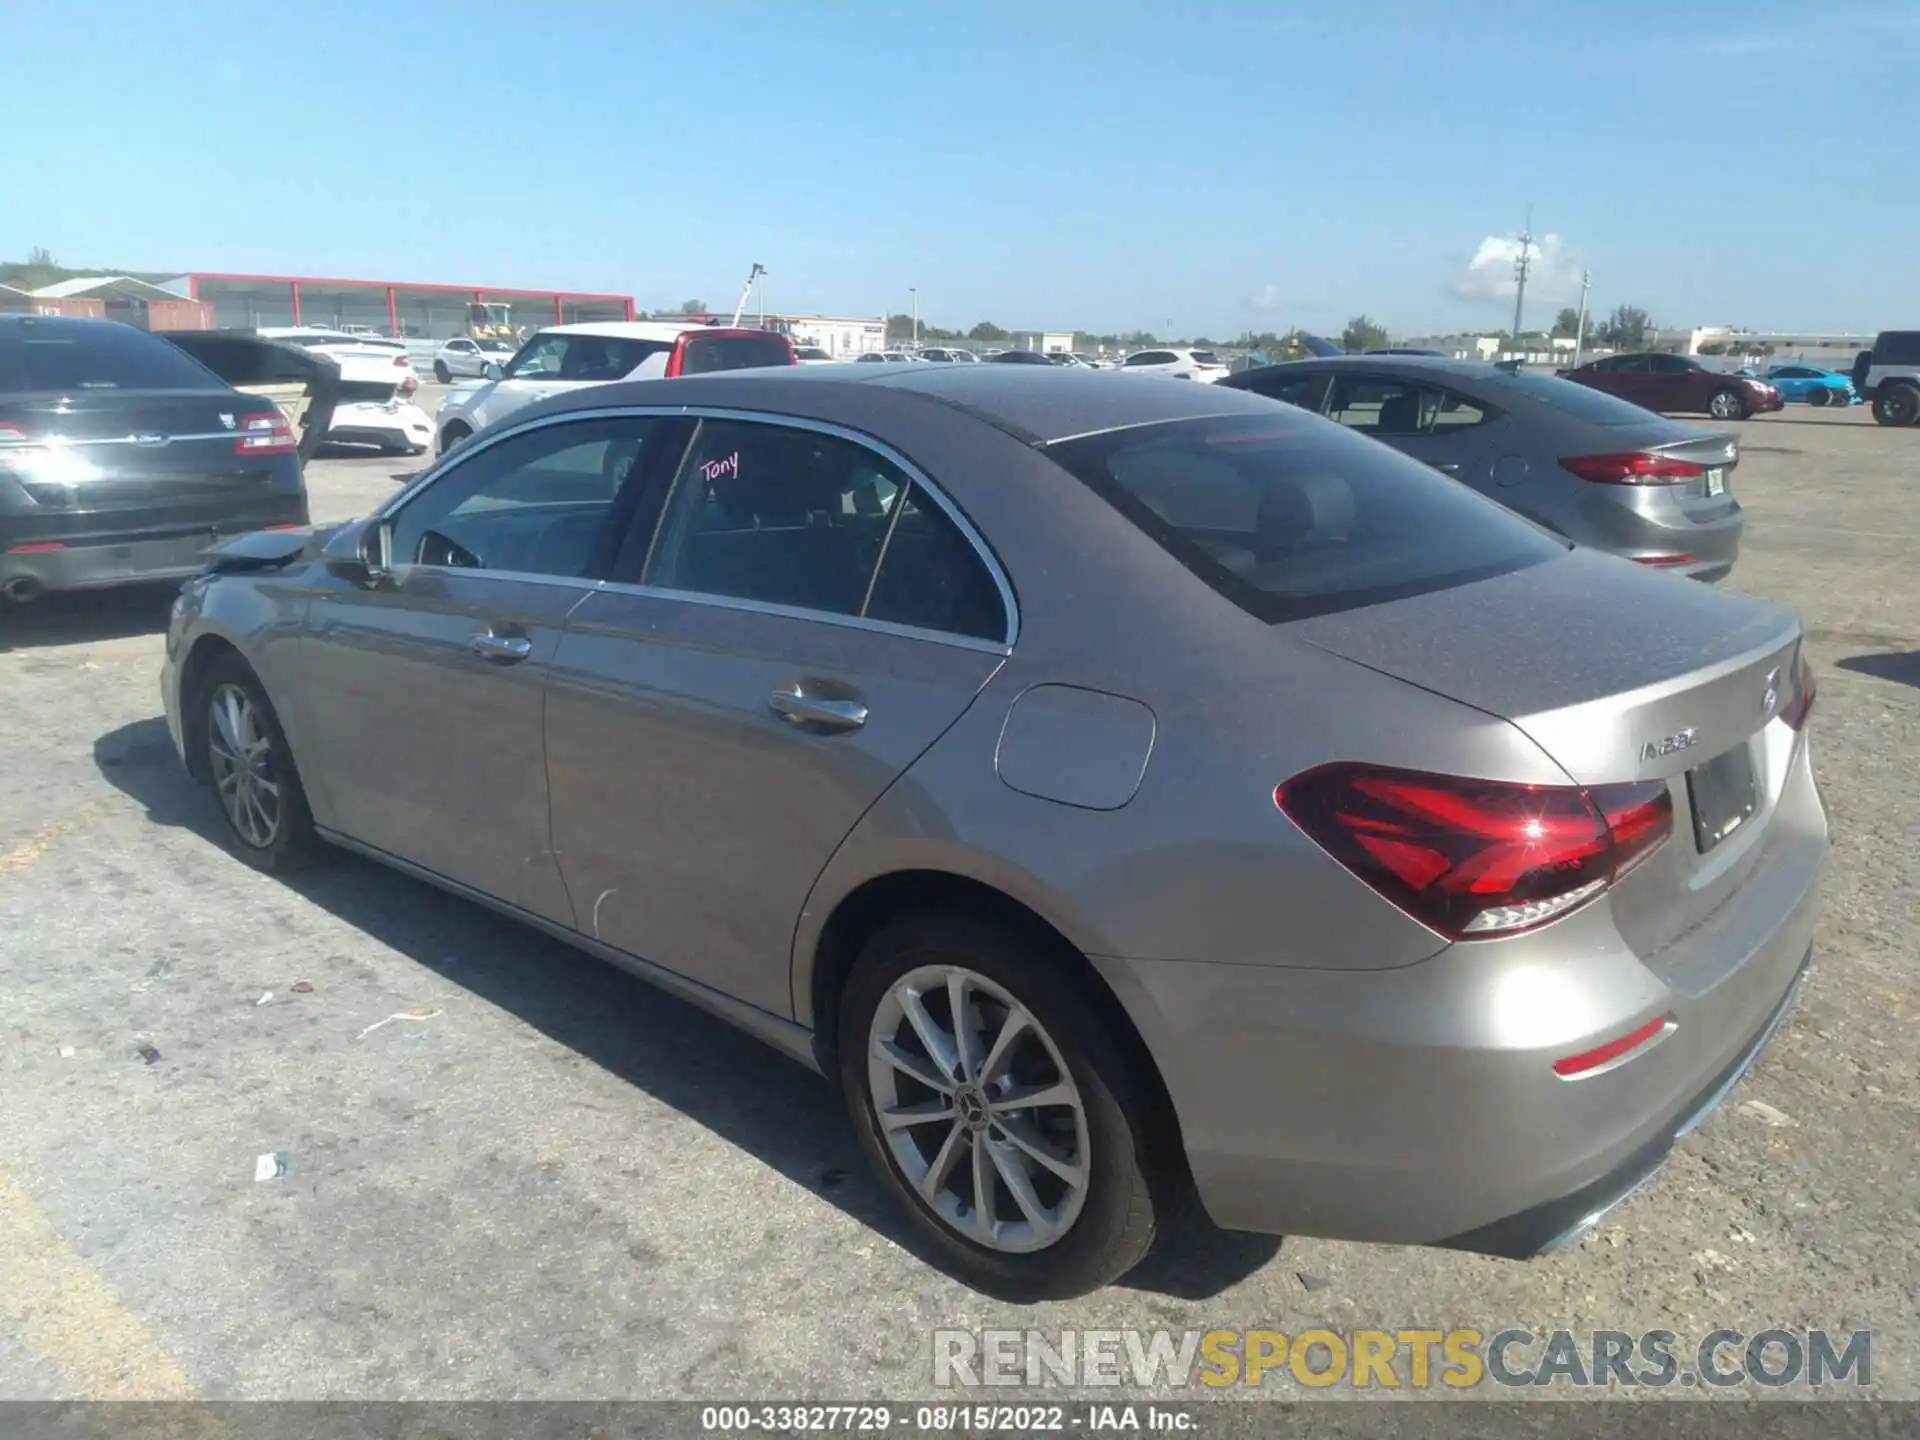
[(1289, 517), (705, 354), (95, 355), (1898, 347), (787, 516), (1151, 357), (1384, 406), (1300, 390), (1205, 357)]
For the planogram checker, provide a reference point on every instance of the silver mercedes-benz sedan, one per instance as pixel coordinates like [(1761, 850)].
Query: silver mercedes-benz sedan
[(1115, 789)]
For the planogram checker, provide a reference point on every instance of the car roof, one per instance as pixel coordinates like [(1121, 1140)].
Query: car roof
[(1038, 404), (1410, 365), (637, 329)]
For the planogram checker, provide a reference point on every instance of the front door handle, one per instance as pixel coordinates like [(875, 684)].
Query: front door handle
[(797, 708), (501, 649), (1448, 467)]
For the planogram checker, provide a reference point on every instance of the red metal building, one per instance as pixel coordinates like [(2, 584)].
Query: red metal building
[(395, 307)]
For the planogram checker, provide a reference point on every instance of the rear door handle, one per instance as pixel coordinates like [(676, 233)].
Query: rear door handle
[(797, 708), (1448, 467), (501, 649)]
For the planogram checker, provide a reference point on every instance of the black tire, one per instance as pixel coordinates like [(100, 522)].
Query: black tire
[(1820, 397), (441, 373), (1895, 402), (1136, 1181), (1728, 404), (293, 843), (452, 436)]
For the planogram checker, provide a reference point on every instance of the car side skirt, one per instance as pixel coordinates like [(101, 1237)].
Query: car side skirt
[(793, 1041)]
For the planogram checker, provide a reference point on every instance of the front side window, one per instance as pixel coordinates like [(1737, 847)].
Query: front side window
[(537, 503), (1631, 365), (587, 359), (1897, 347), (705, 354), (1289, 517), (1300, 390), (1674, 365), (792, 517)]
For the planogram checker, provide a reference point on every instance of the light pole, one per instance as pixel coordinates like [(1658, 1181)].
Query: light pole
[(1580, 327), (1520, 268), (914, 292)]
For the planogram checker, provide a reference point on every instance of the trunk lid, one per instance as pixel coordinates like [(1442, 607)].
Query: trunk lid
[(1618, 674), (166, 453)]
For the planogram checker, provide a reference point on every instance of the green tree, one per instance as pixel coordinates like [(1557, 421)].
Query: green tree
[(1362, 333), (1567, 322), (693, 307), (1626, 328), (899, 329), (986, 330)]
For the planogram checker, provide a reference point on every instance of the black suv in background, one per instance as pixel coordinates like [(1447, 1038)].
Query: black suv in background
[(1888, 377), (122, 459)]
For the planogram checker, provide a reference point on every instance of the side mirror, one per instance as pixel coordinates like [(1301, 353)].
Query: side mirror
[(492, 371), (362, 553)]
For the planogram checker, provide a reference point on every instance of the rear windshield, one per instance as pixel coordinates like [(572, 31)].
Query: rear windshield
[(95, 355), (1290, 515), (1582, 402), (1205, 357), (707, 353)]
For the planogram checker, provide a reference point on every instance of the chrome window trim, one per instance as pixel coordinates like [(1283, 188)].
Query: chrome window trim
[(479, 445), (798, 612)]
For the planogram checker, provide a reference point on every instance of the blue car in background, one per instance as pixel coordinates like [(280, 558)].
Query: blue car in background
[(1813, 385)]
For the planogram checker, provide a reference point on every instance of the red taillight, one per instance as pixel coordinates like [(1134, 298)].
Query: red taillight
[(1797, 709), (36, 547), (1477, 858), (1588, 1061), (402, 360), (1639, 467), (264, 433), (1681, 559), (677, 359)]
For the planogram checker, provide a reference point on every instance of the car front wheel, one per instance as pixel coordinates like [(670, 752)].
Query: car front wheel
[(251, 771), (1820, 396), (441, 373), (1726, 405), (998, 1109)]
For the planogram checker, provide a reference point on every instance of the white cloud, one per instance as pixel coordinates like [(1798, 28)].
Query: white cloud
[(1267, 297), (1555, 273)]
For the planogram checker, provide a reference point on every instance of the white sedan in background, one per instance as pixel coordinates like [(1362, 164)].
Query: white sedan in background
[(1177, 363), (376, 389)]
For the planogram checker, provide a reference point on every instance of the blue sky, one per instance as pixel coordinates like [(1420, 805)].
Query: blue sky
[(1051, 163)]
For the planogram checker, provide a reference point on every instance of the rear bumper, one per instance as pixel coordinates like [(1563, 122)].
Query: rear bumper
[(1558, 1223), (1419, 1105), (399, 427), (97, 562)]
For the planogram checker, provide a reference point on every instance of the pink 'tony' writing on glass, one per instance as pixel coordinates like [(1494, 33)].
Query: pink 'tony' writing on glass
[(714, 469)]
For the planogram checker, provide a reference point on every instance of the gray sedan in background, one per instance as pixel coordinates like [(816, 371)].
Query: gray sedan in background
[(1116, 790), (1597, 469)]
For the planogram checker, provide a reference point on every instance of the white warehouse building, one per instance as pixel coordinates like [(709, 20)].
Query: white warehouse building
[(839, 336)]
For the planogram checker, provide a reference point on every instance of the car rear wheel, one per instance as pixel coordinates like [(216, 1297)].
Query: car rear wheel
[(1726, 405), (452, 436), (1896, 403), (1820, 396), (998, 1110), (441, 373), (251, 771)]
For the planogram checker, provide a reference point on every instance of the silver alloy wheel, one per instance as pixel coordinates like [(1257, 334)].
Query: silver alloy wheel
[(1724, 405), (244, 775), (978, 1109)]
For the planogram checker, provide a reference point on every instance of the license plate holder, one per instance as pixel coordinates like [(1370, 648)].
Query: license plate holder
[(1716, 480), (1723, 794)]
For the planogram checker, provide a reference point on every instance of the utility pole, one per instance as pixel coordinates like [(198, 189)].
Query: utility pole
[(914, 291), (1580, 328), (1520, 268)]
